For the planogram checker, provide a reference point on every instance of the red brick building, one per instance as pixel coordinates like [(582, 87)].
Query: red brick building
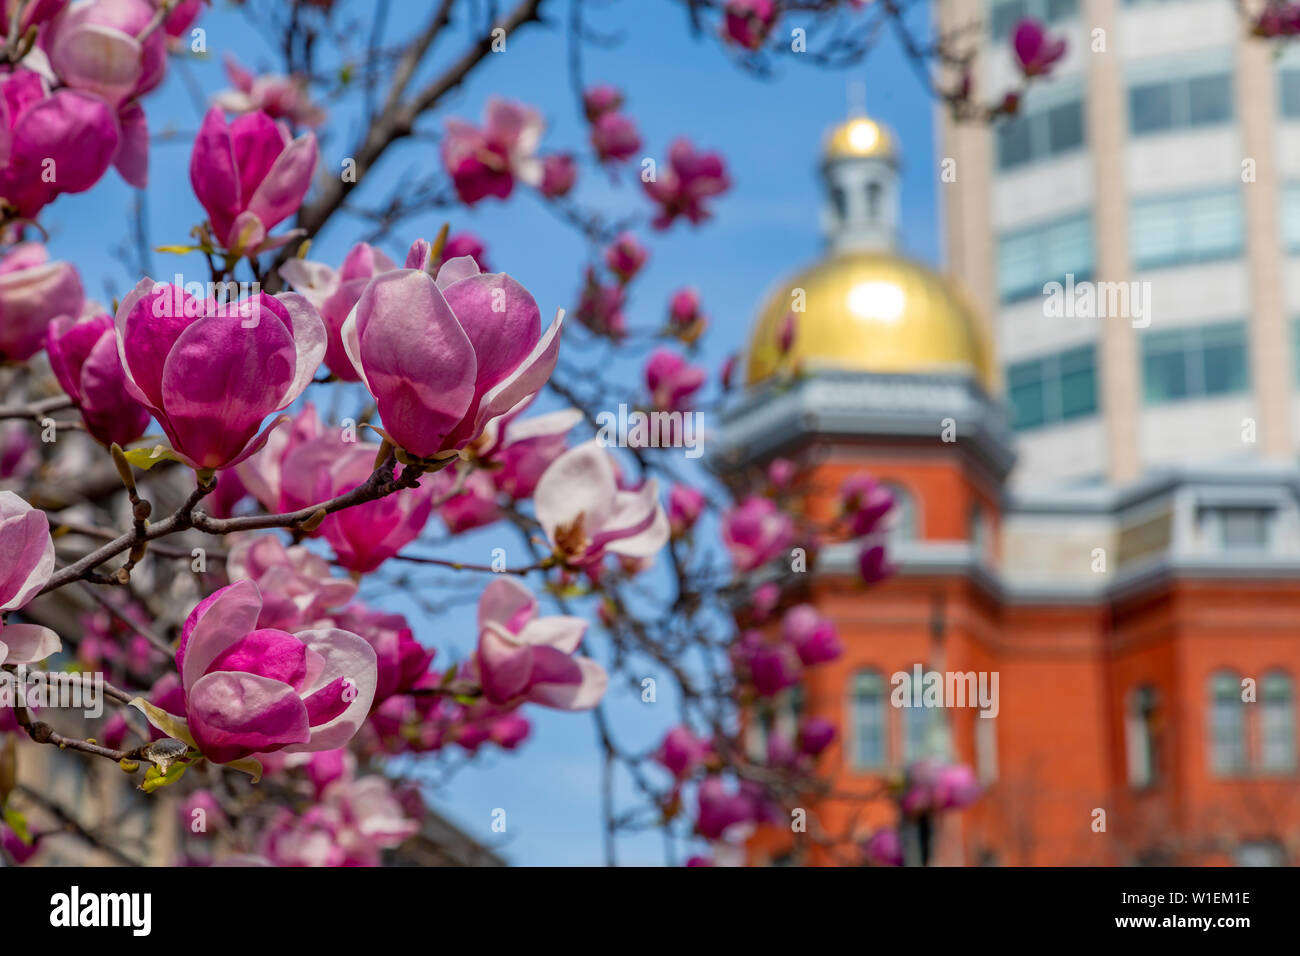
[(1145, 638)]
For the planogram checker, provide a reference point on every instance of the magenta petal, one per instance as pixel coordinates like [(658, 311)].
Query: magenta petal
[(234, 715), (416, 359), (220, 382), (504, 667), (280, 193), (526, 380), (132, 158), (218, 622), (268, 653)]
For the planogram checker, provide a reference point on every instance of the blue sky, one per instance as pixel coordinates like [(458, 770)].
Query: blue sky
[(770, 132)]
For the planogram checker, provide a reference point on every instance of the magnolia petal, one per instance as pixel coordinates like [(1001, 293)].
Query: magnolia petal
[(350, 657), (228, 616), (27, 643)]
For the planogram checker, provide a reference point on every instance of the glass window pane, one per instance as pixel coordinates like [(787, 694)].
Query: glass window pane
[(1291, 217), (1164, 367), (1003, 17), (1014, 142), (1155, 234), (1277, 723), (1225, 359), (1289, 92), (1227, 725), (1078, 383), (1025, 392), (1065, 127), (868, 720), (1069, 250), (1209, 99), (1214, 230), (1150, 108), (1058, 10), (1018, 269)]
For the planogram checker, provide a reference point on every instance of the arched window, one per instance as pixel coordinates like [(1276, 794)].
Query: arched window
[(867, 720), (1142, 730), (873, 200), (916, 729), (1227, 725), (1277, 722), (902, 521), (978, 533)]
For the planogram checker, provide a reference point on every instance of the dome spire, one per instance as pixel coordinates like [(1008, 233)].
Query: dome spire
[(860, 172)]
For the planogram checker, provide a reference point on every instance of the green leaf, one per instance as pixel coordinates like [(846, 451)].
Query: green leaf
[(154, 778), (146, 458), (177, 250), (18, 823)]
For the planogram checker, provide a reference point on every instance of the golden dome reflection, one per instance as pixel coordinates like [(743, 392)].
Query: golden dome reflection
[(872, 312), (859, 137)]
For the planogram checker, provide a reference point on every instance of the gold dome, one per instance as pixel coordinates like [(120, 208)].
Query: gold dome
[(872, 312), (859, 137)]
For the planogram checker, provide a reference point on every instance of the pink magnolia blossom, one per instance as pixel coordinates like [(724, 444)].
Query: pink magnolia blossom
[(268, 479), (279, 97), (364, 536), (815, 735), (932, 786), (685, 318), (812, 635), (354, 822), (1036, 51), (559, 175), (755, 532), (34, 13), (883, 848), (681, 752), (625, 257), (201, 814), (250, 176), (334, 293), (212, 372), (19, 850), (599, 100), (486, 162), (26, 563), (685, 505), (865, 502), (720, 809), (873, 564), (681, 187), (600, 307), (297, 587), (18, 454), (727, 372), (181, 18), (401, 659), (93, 46), (786, 334), (444, 358), (250, 690), (33, 292), (473, 506), (772, 663), (519, 450), (76, 132), (748, 22), (522, 656), (781, 474), (614, 137), (83, 356), (465, 244), (585, 514), (672, 381)]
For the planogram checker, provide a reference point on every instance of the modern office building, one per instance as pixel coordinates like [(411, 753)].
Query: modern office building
[(1083, 508)]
